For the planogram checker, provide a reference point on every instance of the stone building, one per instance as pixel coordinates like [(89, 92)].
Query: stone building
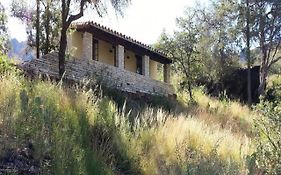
[(121, 62)]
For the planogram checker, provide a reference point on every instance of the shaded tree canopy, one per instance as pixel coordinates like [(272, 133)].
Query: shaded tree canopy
[(72, 10), (3, 30), (55, 19), (267, 33), (225, 31), (49, 22), (204, 48), (181, 47)]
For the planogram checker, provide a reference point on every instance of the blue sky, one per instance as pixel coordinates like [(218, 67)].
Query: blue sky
[(144, 20)]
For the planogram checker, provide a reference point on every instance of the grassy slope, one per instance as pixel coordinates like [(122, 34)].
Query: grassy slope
[(84, 134)]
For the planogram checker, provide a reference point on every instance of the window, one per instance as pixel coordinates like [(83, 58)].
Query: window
[(139, 64), (95, 51)]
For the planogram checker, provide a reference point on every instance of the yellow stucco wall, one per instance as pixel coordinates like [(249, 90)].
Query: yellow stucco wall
[(153, 69), (130, 61), (77, 44), (105, 55)]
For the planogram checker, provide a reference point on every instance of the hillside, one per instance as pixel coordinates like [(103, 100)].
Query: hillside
[(193, 91), (60, 128), (71, 130)]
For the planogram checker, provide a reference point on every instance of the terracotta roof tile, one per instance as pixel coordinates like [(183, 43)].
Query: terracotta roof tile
[(106, 29)]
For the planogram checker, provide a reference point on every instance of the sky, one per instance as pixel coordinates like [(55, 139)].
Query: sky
[(143, 20)]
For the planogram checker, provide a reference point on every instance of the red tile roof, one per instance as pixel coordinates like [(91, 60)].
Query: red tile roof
[(122, 36)]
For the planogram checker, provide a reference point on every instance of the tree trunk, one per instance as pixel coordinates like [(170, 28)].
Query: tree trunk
[(249, 89), (47, 49), (37, 28), (190, 90), (62, 49), (264, 62), (263, 76), (63, 39), (65, 6), (186, 71), (189, 79)]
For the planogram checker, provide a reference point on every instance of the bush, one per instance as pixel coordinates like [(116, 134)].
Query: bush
[(5, 64), (268, 127), (273, 93)]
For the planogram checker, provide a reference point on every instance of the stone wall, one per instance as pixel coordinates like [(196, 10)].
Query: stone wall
[(79, 69)]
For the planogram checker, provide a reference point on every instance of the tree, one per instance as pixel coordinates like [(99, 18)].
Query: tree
[(3, 31), (67, 18), (212, 34), (218, 35), (249, 91), (245, 24), (49, 25), (267, 28), (181, 47), (222, 25), (37, 28)]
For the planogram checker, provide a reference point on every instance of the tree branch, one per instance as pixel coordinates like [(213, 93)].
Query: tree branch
[(274, 61), (274, 54), (44, 4), (265, 132), (78, 15), (276, 49), (67, 8)]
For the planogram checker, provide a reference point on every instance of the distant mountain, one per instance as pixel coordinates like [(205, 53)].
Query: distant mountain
[(20, 50)]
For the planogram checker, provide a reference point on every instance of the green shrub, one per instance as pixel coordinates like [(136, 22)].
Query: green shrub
[(273, 93), (268, 127), (5, 64)]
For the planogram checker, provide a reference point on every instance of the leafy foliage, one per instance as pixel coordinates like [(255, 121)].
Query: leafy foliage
[(204, 48), (6, 64), (3, 31), (267, 33), (49, 22), (273, 93), (182, 49), (268, 152)]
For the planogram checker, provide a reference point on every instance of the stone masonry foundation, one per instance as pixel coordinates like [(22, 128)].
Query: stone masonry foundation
[(113, 77)]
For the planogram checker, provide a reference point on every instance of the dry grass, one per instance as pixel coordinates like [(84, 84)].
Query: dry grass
[(227, 114), (165, 147), (211, 139)]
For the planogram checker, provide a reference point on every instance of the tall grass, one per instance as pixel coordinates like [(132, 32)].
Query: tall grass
[(75, 132), (185, 145), (56, 124), (224, 112)]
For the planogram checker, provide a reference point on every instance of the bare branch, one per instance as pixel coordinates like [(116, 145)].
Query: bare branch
[(44, 4), (78, 15), (274, 61), (276, 49), (67, 8)]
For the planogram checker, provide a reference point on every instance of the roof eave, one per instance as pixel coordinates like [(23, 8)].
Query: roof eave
[(118, 38)]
